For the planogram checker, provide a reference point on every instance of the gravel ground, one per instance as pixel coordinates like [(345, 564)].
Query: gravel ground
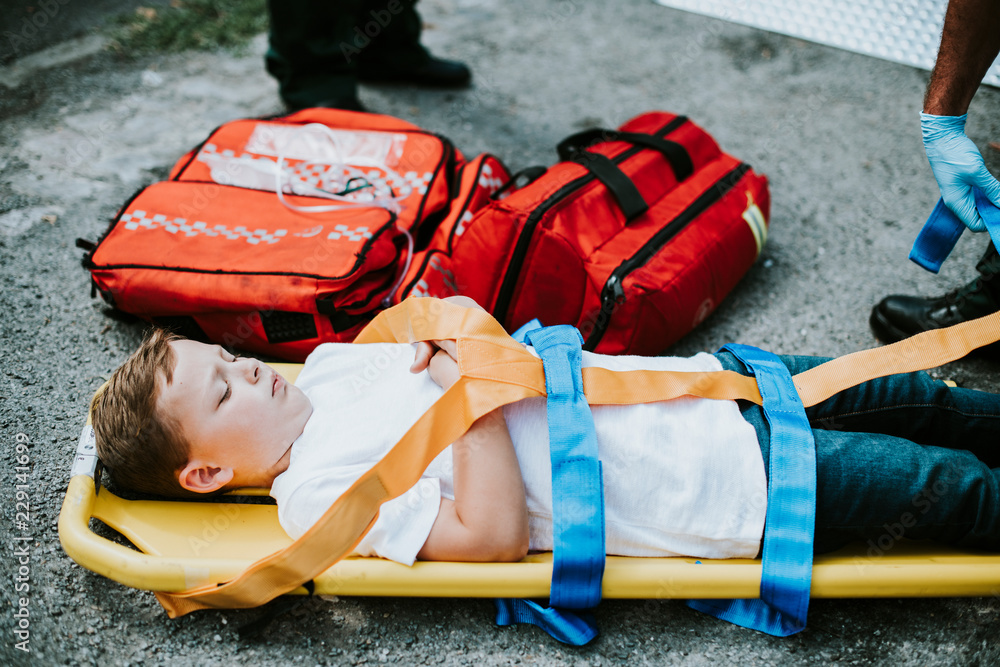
[(836, 133)]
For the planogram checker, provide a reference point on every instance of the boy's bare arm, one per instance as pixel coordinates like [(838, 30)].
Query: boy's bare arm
[(488, 520)]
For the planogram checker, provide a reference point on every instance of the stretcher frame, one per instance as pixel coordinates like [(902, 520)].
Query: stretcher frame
[(184, 544)]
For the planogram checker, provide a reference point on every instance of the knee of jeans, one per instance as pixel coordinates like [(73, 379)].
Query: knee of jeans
[(730, 362)]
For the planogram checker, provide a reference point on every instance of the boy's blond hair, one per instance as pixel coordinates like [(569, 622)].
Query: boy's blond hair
[(143, 450)]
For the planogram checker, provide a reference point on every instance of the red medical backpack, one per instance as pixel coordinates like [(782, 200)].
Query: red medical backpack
[(634, 238), (214, 252)]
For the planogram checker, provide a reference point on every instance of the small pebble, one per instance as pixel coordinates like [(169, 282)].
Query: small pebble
[(151, 78)]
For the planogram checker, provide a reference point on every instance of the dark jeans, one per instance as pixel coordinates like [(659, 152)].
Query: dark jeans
[(318, 47), (904, 455)]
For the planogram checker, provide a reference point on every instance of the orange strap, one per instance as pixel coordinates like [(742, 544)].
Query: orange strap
[(496, 370)]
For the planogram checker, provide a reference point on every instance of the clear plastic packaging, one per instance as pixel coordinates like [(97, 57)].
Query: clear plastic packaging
[(350, 168)]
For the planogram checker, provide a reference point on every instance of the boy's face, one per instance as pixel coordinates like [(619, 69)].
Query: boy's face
[(238, 415)]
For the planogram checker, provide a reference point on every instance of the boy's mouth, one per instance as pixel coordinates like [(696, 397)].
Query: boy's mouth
[(276, 384)]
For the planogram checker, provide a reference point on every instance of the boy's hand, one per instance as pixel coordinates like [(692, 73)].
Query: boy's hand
[(439, 358), (443, 369)]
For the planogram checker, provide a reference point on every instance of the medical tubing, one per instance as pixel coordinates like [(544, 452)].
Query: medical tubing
[(302, 188), (387, 299)]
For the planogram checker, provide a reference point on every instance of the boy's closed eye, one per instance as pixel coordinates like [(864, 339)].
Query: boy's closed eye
[(228, 391)]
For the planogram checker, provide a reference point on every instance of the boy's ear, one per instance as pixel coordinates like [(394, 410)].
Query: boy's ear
[(202, 478)]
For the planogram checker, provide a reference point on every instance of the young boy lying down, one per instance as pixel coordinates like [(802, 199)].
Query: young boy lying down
[(902, 455)]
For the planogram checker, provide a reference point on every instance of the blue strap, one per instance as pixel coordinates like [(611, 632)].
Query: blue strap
[(941, 232), (567, 626), (577, 494), (791, 508), (522, 332)]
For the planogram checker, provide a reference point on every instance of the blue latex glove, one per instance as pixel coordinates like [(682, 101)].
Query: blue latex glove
[(958, 166)]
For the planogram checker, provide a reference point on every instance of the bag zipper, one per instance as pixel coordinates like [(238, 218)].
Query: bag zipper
[(527, 232), (613, 292)]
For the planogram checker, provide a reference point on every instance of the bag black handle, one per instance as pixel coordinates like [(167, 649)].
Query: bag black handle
[(676, 154), (530, 174), (629, 198)]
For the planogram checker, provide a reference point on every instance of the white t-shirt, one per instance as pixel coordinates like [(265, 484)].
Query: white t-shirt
[(682, 477)]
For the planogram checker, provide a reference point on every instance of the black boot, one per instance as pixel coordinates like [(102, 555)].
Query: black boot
[(898, 316), (434, 73)]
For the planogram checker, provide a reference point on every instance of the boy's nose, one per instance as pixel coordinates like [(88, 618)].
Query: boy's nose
[(252, 370)]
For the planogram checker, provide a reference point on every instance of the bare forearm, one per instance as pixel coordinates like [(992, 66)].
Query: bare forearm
[(489, 489), (488, 520), (970, 42)]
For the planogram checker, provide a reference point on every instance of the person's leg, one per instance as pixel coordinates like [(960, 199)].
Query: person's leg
[(900, 316), (394, 28), (310, 51), (320, 48), (914, 406), (880, 488)]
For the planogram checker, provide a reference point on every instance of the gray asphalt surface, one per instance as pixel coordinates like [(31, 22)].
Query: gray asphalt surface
[(837, 134), (29, 26)]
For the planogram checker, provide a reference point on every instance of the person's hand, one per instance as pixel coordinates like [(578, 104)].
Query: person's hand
[(958, 166), (440, 359), (425, 350), (443, 369)]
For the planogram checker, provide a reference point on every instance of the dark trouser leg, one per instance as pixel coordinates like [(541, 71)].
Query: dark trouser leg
[(394, 27), (317, 46), (989, 272), (306, 50), (914, 406), (880, 488), (878, 472)]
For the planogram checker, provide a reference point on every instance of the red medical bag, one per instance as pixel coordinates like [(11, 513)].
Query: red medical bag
[(215, 252), (634, 238)]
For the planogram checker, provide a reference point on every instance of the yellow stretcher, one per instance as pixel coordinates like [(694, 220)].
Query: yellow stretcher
[(182, 545)]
